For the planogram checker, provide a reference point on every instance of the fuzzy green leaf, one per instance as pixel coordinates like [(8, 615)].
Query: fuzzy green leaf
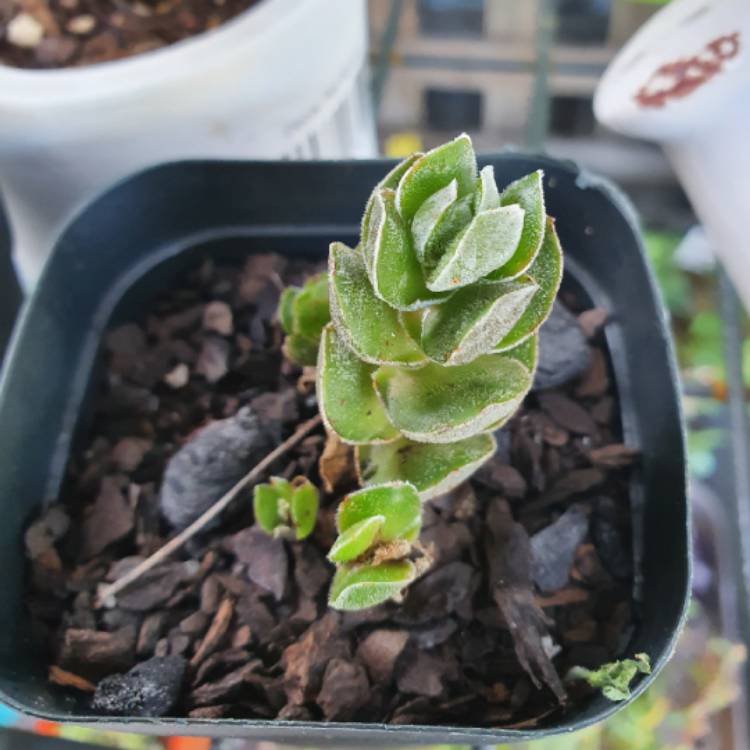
[(390, 181), (397, 502), (346, 398), (527, 352), (304, 508), (433, 171), (486, 196), (394, 269), (366, 586), (546, 271), (443, 404), (429, 215), (613, 678), (356, 540), (528, 193), (369, 326), (266, 507), (310, 307), (448, 228), (473, 320), (487, 243), (432, 468), (300, 349), (286, 317)]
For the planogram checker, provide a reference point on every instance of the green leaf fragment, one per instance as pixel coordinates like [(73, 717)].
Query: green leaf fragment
[(473, 320), (281, 504), (356, 540), (397, 502), (613, 678), (366, 586), (303, 312), (346, 399), (304, 508), (433, 171), (486, 196), (394, 269), (487, 243), (300, 349), (266, 507), (528, 193), (546, 271), (443, 404), (369, 326), (429, 215), (433, 469)]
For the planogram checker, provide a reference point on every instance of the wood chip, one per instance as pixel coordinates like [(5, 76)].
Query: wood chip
[(380, 650), (216, 631), (217, 317), (62, 677), (592, 320), (336, 465), (613, 456), (94, 654), (567, 413)]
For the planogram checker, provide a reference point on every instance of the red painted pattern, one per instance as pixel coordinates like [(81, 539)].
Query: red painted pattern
[(678, 79)]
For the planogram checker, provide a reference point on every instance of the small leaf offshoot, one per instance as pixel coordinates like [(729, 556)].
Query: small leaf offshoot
[(286, 509)]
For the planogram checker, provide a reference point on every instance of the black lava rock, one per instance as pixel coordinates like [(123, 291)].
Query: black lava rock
[(563, 350), (211, 464), (151, 688), (553, 549)]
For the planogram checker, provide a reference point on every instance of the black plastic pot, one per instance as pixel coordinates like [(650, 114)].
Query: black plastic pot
[(136, 238)]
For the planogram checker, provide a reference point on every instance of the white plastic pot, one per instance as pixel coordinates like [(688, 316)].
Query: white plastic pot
[(287, 78), (684, 81)]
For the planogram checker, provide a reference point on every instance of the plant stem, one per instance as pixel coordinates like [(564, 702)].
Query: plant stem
[(107, 594)]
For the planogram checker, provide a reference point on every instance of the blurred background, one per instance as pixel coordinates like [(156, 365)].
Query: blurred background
[(522, 74)]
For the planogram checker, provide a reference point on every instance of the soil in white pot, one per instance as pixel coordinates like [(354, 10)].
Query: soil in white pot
[(39, 34)]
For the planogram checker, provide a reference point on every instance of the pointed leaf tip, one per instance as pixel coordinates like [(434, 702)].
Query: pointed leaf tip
[(528, 193), (473, 320), (395, 272), (488, 242), (434, 170)]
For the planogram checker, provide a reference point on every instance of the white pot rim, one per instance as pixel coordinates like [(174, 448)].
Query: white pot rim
[(58, 86)]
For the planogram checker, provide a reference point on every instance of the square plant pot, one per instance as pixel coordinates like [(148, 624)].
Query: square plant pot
[(141, 235)]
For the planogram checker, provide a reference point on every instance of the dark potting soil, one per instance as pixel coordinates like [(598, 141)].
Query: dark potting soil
[(533, 566), (65, 33)]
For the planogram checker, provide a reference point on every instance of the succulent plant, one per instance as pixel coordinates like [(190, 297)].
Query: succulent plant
[(377, 526), (303, 312), (431, 346), (287, 509), (433, 340)]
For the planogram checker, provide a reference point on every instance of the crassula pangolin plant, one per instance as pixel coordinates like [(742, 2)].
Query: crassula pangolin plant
[(431, 344)]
